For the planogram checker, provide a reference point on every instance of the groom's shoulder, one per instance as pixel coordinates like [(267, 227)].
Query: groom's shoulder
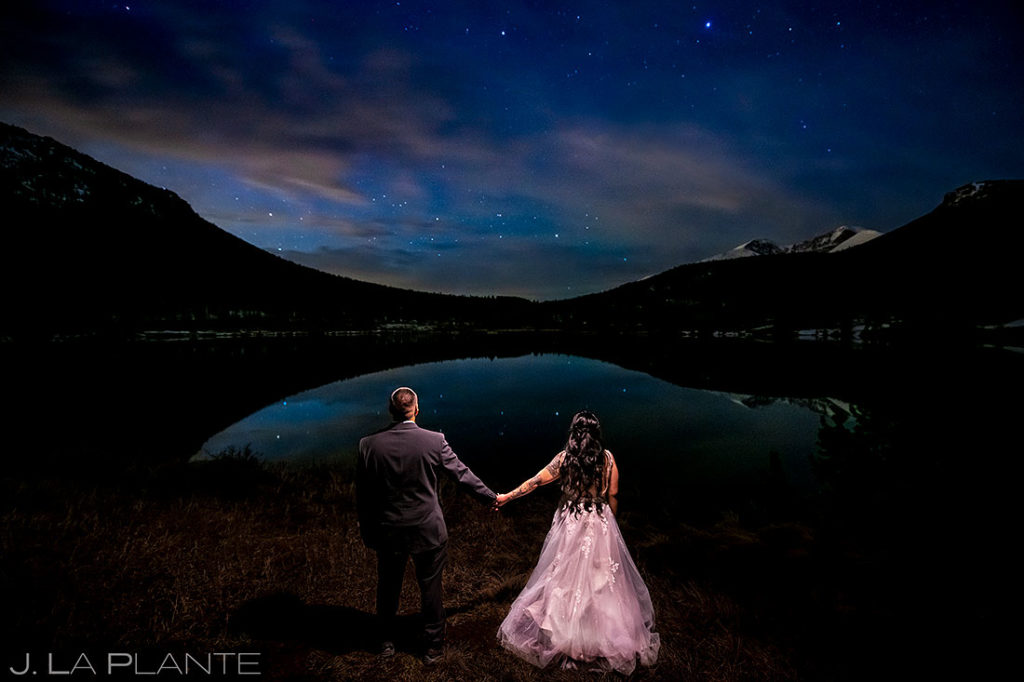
[(409, 429), (427, 433), (425, 438)]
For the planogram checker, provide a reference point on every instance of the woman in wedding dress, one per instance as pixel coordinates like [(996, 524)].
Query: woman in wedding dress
[(585, 603)]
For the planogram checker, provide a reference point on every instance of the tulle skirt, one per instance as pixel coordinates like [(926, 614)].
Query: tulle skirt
[(585, 603)]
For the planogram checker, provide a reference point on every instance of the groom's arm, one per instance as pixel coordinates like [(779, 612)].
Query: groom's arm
[(365, 503), (462, 473)]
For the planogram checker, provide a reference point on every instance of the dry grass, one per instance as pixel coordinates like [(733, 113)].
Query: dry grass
[(236, 557)]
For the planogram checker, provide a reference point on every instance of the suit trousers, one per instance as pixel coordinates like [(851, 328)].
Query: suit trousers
[(429, 565)]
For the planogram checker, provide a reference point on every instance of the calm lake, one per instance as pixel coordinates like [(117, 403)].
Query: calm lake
[(880, 440), (509, 416)]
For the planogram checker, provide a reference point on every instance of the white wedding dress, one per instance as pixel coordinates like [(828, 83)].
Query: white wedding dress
[(585, 603)]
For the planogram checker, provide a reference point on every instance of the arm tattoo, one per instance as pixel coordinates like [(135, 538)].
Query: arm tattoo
[(526, 488), (553, 468), (555, 465)]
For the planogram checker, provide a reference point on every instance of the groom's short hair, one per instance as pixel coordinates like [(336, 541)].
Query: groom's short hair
[(403, 403)]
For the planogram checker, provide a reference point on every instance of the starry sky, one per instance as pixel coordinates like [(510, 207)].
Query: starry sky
[(540, 149)]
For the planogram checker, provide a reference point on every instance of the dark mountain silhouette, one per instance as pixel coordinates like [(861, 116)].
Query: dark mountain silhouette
[(954, 268), (89, 247)]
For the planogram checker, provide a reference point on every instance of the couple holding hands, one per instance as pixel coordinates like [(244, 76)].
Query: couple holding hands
[(585, 603)]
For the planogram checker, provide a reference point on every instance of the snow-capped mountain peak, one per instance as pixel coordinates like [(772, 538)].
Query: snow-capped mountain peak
[(755, 247), (860, 236), (968, 192), (835, 240), (839, 239)]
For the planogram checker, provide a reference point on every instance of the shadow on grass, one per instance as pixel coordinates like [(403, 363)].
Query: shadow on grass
[(285, 617)]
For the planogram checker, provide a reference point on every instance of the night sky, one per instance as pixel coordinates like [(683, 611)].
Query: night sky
[(530, 148)]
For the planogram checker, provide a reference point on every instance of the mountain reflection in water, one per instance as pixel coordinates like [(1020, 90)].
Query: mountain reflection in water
[(508, 416)]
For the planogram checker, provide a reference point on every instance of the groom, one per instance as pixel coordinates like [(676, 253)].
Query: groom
[(400, 516)]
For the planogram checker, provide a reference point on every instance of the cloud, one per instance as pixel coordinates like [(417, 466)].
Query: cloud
[(509, 266), (366, 134), (381, 162)]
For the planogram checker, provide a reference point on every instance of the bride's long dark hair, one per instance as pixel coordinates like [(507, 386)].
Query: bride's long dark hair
[(583, 464)]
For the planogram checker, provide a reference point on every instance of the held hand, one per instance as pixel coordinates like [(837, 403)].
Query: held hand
[(500, 500)]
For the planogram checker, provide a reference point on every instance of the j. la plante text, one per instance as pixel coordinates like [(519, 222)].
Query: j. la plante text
[(130, 663)]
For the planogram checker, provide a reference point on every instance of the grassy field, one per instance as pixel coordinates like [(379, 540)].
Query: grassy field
[(235, 556)]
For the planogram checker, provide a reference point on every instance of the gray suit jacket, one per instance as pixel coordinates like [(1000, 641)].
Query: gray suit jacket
[(396, 487)]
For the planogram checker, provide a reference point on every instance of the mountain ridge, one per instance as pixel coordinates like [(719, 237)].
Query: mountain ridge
[(953, 265), (153, 261), (940, 271)]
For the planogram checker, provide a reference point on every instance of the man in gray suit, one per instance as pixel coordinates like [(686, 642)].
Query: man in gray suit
[(400, 516)]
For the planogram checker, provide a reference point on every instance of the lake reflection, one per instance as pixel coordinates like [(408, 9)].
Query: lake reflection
[(507, 417)]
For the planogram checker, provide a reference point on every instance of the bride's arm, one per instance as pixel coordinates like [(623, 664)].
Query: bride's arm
[(549, 473), (613, 487)]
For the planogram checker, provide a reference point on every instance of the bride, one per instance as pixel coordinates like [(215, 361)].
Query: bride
[(585, 602)]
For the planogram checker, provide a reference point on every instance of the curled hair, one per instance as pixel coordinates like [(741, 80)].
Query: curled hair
[(583, 465)]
